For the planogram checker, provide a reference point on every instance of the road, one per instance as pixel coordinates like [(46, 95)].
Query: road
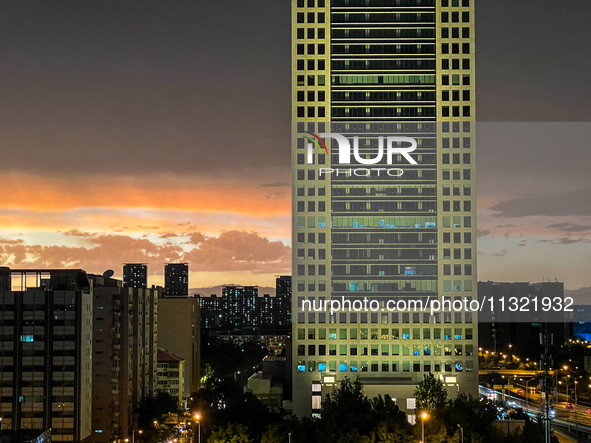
[(565, 416)]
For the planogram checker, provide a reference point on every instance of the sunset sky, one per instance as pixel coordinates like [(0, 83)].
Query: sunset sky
[(159, 131)]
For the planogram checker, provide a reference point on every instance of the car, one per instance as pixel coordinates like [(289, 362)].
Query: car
[(570, 406), (588, 411), (520, 392)]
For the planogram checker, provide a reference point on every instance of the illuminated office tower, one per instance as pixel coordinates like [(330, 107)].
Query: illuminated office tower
[(376, 68)]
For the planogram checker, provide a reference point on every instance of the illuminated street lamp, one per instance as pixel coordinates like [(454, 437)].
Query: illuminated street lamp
[(424, 416), (198, 420), (461, 432), (139, 431)]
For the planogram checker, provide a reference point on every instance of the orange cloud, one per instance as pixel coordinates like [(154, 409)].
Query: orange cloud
[(163, 192), (231, 251)]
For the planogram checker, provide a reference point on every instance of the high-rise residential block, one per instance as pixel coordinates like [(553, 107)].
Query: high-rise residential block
[(135, 275), (283, 300), (377, 216), (46, 319), (125, 344), (240, 303), (176, 279)]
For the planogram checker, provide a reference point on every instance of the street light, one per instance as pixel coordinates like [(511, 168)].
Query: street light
[(527, 393), (461, 432), (139, 431), (198, 420), (289, 437), (424, 416)]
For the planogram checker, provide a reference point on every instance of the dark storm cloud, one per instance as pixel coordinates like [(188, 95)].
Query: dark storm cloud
[(175, 86), (189, 87), (568, 227), (551, 204), (564, 241), (533, 66)]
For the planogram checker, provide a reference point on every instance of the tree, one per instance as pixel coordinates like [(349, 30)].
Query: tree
[(225, 402), (476, 417), (233, 433), (430, 394), (346, 412), (153, 408)]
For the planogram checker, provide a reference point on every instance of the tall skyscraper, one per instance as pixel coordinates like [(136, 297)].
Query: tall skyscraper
[(176, 279), (46, 354), (374, 224), (135, 275)]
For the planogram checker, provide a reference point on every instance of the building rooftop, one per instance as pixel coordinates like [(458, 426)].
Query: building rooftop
[(168, 356), (273, 358), (260, 376)]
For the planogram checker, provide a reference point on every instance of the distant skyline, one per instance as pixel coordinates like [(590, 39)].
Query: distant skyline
[(159, 132)]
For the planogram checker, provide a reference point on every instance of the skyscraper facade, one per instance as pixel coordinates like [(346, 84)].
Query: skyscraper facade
[(176, 279), (403, 226)]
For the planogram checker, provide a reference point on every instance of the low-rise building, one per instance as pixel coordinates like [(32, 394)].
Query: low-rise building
[(171, 374), (268, 384)]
